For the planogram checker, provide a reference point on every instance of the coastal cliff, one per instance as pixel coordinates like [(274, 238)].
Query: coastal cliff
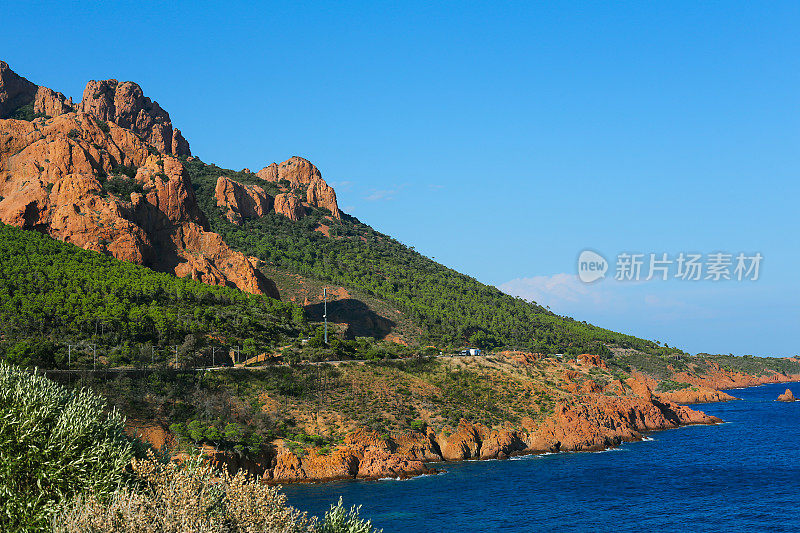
[(603, 413)]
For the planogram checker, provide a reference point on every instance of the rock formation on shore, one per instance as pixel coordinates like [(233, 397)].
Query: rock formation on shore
[(597, 422), (787, 396)]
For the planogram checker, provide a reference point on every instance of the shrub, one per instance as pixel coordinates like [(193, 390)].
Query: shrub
[(54, 444), (188, 497), (340, 520)]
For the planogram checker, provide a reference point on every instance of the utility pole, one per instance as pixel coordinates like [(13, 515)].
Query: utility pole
[(325, 313), (213, 350), (94, 355), (176, 356), (69, 355)]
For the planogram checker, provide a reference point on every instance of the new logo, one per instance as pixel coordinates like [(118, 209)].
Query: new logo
[(591, 266)]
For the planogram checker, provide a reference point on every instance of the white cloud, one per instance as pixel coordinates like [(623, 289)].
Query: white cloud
[(565, 294), (380, 195)]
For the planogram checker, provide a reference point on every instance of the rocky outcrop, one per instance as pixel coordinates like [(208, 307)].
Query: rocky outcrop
[(52, 175), (124, 104), (289, 205), (50, 103), (595, 422), (241, 201), (715, 377), (320, 194), (364, 455), (269, 172), (15, 91), (787, 396), (697, 394), (298, 171)]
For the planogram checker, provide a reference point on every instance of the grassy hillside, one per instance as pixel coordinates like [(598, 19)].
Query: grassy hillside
[(53, 294), (449, 308)]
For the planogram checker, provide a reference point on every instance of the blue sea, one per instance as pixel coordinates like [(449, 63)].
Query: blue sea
[(743, 475)]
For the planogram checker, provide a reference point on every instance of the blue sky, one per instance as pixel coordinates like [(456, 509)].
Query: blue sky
[(500, 138)]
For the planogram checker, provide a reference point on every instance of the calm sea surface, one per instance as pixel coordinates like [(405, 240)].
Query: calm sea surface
[(743, 475)]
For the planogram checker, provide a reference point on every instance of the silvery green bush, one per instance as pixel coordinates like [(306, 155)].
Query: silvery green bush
[(340, 520), (55, 443)]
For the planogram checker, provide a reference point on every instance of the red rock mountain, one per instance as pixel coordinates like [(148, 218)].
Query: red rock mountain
[(301, 182), (55, 173)]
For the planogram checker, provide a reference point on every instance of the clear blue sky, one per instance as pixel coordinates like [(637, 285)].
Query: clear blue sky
[(500, 138)]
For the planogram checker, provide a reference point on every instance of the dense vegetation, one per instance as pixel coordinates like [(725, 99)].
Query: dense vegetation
[(53, 294), (451, 308), (54, 444), (66, 465)]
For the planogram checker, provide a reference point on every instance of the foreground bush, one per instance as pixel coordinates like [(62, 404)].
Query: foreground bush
[(55, 443), (340, 520), (193, 497)]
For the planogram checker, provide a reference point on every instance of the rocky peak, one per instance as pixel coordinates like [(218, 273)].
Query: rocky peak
[(269, 172), (125, 104), (298, 171), (51, 103), (15, 91)]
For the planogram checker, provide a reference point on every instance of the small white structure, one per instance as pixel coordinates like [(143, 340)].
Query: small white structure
[(470, 351)]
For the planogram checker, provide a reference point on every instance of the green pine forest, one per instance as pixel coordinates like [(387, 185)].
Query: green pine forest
[(452, 309), (53, 294)]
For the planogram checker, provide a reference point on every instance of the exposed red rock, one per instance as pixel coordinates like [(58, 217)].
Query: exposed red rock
[(241, 201), (298, 171), (464, 443), (50, 173), (269, 172), (50, 103), (289, 205), (715, 377), (320, 194), (787, 396), (592, 360), (124, 103), (696, 394)]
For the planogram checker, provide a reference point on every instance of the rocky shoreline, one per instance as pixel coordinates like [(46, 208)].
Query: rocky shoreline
[(590, 423), (593, 419)]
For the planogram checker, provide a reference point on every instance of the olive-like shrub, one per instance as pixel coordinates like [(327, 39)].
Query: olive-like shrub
[(190, 496), (55, 443), (193, 496)]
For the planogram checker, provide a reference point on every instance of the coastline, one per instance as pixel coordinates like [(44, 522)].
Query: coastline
[(592, 423), (591, 419)]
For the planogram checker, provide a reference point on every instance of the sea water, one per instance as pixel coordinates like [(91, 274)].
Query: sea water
[(743, 475)]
